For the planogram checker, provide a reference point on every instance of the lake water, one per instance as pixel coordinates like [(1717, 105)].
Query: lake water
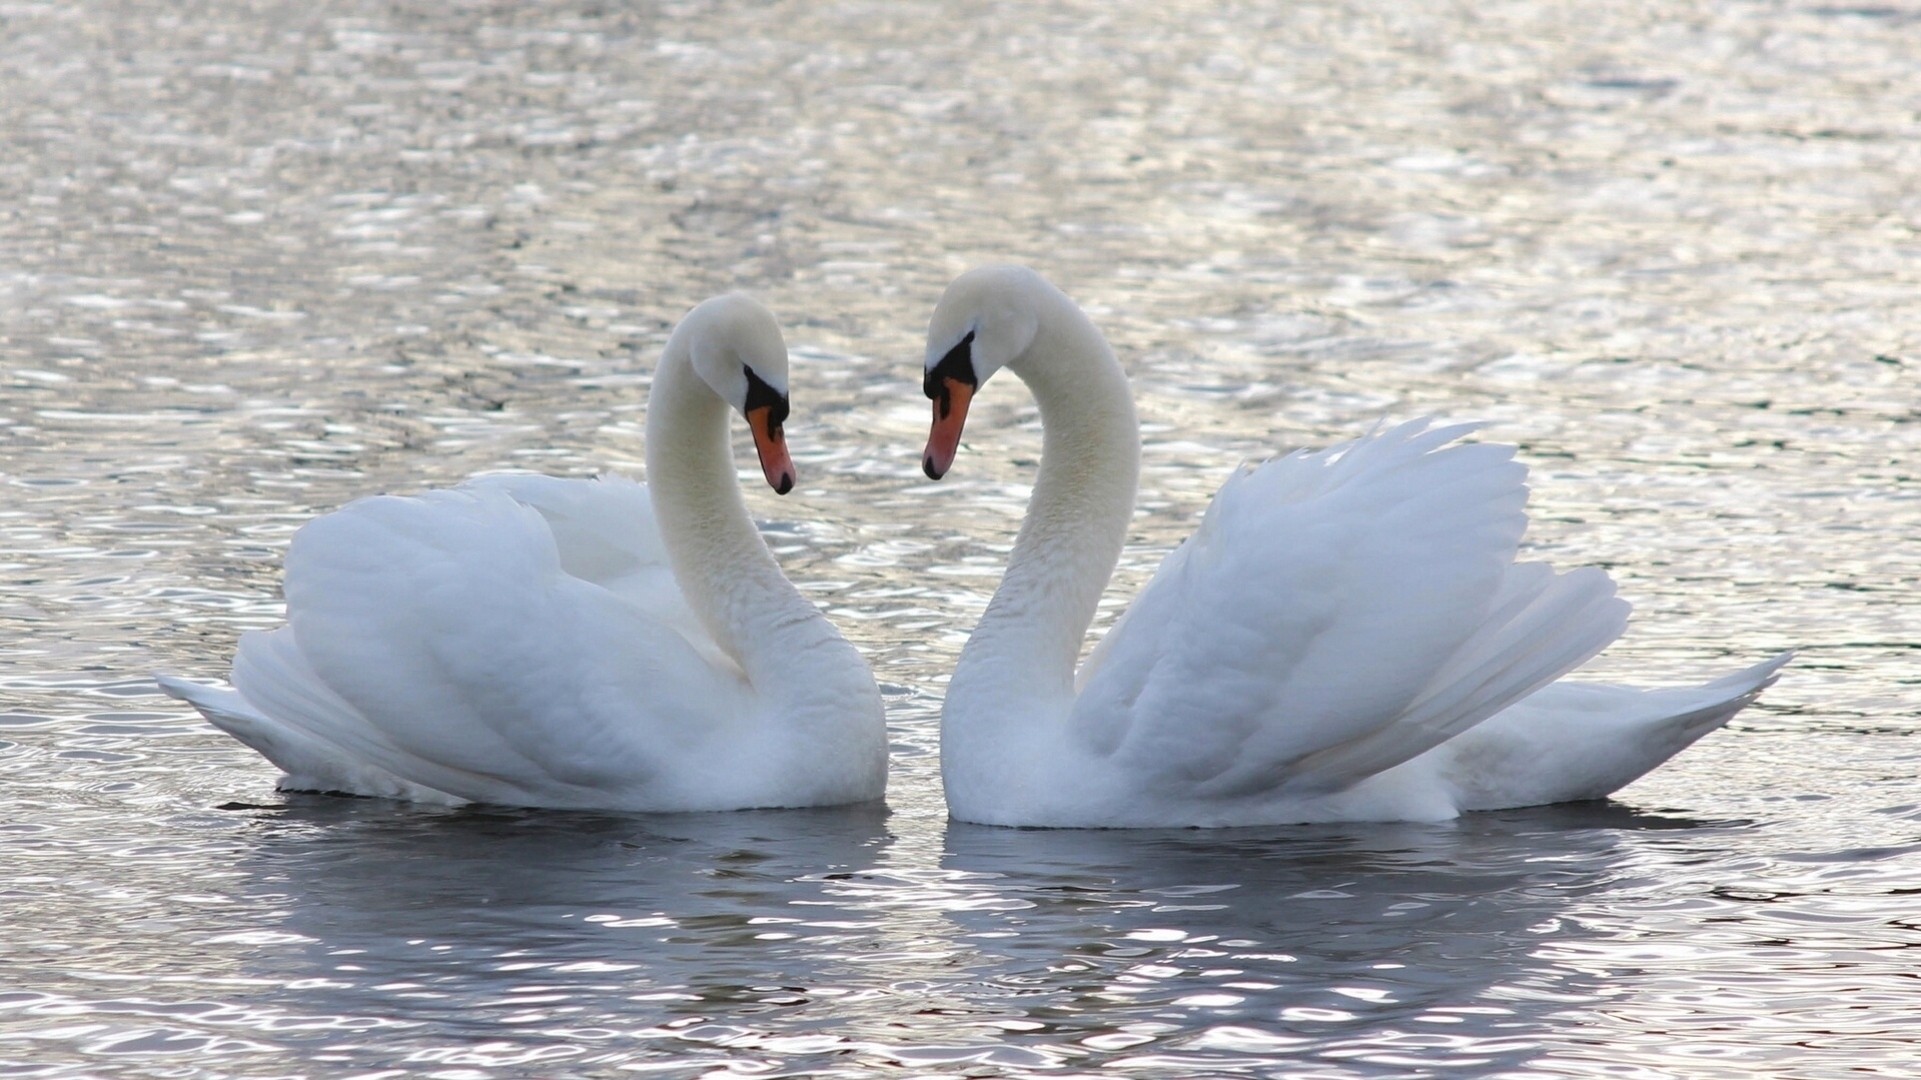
[(259, 258)]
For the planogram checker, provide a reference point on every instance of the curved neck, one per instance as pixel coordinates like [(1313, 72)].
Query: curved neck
[(723, 567), (1029, 640)]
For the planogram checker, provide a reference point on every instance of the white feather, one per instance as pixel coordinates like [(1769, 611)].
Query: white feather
[(526, 640), (1348, 635)]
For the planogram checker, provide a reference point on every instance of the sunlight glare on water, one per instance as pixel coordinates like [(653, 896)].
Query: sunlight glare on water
[(258, 259)]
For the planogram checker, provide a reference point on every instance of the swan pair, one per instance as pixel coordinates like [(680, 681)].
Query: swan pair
[(1347, 636)]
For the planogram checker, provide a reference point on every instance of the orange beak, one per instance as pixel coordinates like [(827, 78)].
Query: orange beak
[(771, 445), (950, 414)]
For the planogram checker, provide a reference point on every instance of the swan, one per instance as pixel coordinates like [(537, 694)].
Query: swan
[(584, 644), (1346, 637)]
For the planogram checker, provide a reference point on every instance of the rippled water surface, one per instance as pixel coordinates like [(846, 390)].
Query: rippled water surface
[(258, 258)]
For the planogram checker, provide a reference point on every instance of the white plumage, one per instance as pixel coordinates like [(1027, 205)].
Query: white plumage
[(1347, 636), (534, 641)]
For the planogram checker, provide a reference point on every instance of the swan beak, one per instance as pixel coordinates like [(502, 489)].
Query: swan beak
[(771, 444), (950, 413)]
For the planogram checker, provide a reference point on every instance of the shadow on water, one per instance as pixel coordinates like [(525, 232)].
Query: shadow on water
[(1304, 941), (705, 936), (687, 911)]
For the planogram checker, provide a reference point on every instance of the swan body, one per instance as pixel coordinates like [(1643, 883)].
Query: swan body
[(534, 641), (1348, 635)]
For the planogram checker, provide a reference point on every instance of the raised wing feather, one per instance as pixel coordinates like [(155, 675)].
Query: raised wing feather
[(1336, 613)]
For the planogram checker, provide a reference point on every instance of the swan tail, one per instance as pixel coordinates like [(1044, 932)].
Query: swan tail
[(306, 763), (1748, 683), (1574, 741), (228, 711)]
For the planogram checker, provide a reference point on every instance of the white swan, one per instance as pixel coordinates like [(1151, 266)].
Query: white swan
[(1347, 636), (534, 641)]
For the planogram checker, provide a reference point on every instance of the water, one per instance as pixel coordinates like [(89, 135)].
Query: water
[(257, 259)]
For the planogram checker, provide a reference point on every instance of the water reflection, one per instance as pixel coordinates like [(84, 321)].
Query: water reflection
[(1310, 943), (760, 931), (541, 935), (616, 890)]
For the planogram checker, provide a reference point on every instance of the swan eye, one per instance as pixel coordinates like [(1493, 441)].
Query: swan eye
[(957, 365), (762, 396)]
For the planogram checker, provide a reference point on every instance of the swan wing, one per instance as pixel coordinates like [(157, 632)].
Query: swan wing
[(1338, 612), (500, 642)]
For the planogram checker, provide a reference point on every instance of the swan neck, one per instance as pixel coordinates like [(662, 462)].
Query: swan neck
[(1031, 635), (722, 565)]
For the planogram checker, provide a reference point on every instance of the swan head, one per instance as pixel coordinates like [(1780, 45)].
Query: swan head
[(736, 348), (986, 320)]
